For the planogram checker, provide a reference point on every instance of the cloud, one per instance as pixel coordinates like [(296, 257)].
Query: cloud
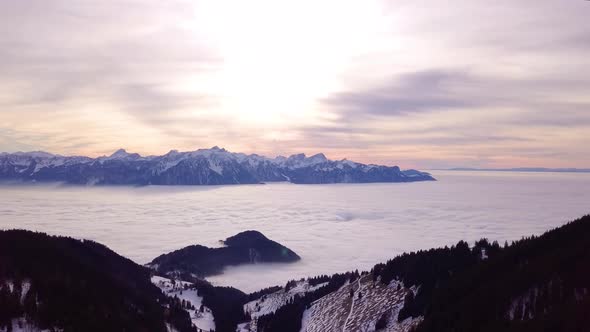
[(96, 67), (411, 82), (111, 52), (435, 90), (408, 93), (460, 112)]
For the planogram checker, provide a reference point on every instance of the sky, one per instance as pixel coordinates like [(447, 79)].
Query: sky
[(426, 84)]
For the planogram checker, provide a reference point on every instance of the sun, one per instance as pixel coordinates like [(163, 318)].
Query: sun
[(280, 58)]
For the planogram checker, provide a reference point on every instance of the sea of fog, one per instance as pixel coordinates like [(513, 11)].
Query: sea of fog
[(334, 228)]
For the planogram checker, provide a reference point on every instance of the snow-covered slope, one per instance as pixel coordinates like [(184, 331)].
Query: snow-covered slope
[(201, 316), (357, 306), (271, 302), (203, 166)]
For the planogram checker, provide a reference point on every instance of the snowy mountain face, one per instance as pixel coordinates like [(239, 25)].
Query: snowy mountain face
[(213, 166)]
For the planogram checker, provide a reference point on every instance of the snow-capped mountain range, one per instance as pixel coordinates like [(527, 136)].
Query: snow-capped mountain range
[(201, 167)]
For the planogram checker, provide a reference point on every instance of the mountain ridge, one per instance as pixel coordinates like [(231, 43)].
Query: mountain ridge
[(214, 166), (523, 169)]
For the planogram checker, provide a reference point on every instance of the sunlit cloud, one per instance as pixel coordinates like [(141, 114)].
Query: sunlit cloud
[(414, 83)]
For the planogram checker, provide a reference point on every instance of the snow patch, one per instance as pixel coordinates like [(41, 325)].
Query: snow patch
[(356, 307), (522, 307), (22, 325), (270, 303), (215, 166), (184, 291), (484, 254), (25, 287)]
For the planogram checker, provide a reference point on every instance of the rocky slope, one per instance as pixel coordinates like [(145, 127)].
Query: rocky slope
[(202, 167)]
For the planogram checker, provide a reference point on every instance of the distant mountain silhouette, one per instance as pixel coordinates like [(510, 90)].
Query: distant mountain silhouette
[(524, 169), (213, 166)]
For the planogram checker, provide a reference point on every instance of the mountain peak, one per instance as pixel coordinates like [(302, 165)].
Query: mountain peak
[(123, 154), (299, 156), (119, 153), (320, 157)]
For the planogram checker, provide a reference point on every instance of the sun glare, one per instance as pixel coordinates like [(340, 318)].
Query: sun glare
[(270, 49)]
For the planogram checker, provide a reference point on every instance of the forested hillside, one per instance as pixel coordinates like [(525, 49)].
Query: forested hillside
[(65, 284), (247, 247), (536, 284)]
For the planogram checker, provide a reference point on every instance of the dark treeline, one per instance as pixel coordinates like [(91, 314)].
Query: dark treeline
[(535, 284), (314, 281), (424, 268), (265, 291), (227, 305), (429, 268), (59, 282)]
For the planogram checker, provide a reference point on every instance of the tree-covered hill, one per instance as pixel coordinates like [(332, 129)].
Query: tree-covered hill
[(536, 284), (243, 248), (60, 283)]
